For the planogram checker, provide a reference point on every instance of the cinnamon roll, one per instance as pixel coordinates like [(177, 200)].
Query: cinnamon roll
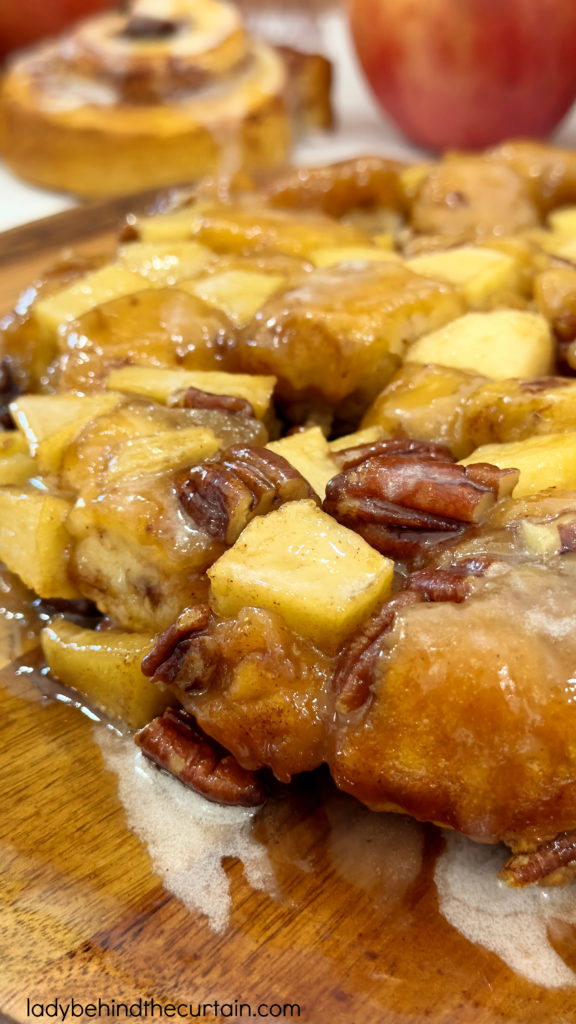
[(171, 90)]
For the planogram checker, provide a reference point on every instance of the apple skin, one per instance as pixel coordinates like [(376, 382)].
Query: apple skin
[(468, 73), (22, 22)]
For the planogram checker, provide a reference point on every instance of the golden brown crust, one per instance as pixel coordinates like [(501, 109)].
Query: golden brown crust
[(451, 696)]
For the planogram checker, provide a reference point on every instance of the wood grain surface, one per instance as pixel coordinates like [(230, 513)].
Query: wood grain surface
[(84, 916), (25, 252)]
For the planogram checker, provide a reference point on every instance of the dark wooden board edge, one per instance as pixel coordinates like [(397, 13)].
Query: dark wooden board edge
[(76, 225)]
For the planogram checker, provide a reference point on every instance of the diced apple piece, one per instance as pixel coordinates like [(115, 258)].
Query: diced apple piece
[(563, 221), (368, 435), (12, 442), (16, 465), (166, 227), (548, 461), (540, 538), (159, 384), (547, 538), (553, 244), (309, 453), (555, 297), (567, 251), (110, 282), (238, 293), (50, 422), (34, 540), (41, 416), (164, 263), (105, 668), (322, 578), (159, 454), (506, 343), (352, 254), (483, 276), (16, 469)]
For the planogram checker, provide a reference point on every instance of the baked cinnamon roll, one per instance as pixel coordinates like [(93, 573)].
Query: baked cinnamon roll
[(169, 91)]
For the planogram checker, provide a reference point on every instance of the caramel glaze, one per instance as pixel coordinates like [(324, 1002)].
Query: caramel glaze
[(470, 713), (134, 552)]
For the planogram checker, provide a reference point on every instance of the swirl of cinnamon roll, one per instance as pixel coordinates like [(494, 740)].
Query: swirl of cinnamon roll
[(168, 91), (158, 50)]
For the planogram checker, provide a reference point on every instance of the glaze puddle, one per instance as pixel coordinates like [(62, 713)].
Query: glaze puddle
[(186, 835), (513, 923)]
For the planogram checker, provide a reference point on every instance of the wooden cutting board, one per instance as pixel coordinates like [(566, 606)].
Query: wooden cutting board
[(350, 930)]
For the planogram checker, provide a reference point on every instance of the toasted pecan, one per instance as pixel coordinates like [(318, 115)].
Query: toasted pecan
[(355, 671), (451, 584), (401, 502), (425, 450), (176, 743), (223, 494), (174, 645), (535, 867), (194, 398)]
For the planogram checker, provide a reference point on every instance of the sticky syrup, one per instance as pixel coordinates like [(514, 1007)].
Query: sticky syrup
[(388, 858)]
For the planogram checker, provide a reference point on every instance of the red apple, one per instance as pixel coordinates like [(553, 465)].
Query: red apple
[(468, 73), (22, 22)]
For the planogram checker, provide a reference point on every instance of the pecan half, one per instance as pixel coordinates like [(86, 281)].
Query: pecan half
[(388, 499), (446, 584), (224, 494), (567, 534), (400, 543), (500, 481), (539, 384), (425, 450), (176, 743), (357, 663), (534, 867), (194, 398), (172, 647), (355, 671), (443, 491)]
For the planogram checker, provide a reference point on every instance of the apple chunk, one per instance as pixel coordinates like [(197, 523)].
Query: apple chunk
[(483, 276), (503, 344), (318, 575), (353, 254), (169, 451), (160, 383), (49, 423), (309, 453), (164, 264), (34, 540), (238, 293), (548, 461), (105, 668), (563, 222), (110, 282)]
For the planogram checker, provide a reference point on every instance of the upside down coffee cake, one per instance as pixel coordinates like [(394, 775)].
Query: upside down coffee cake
[(308, 451)]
